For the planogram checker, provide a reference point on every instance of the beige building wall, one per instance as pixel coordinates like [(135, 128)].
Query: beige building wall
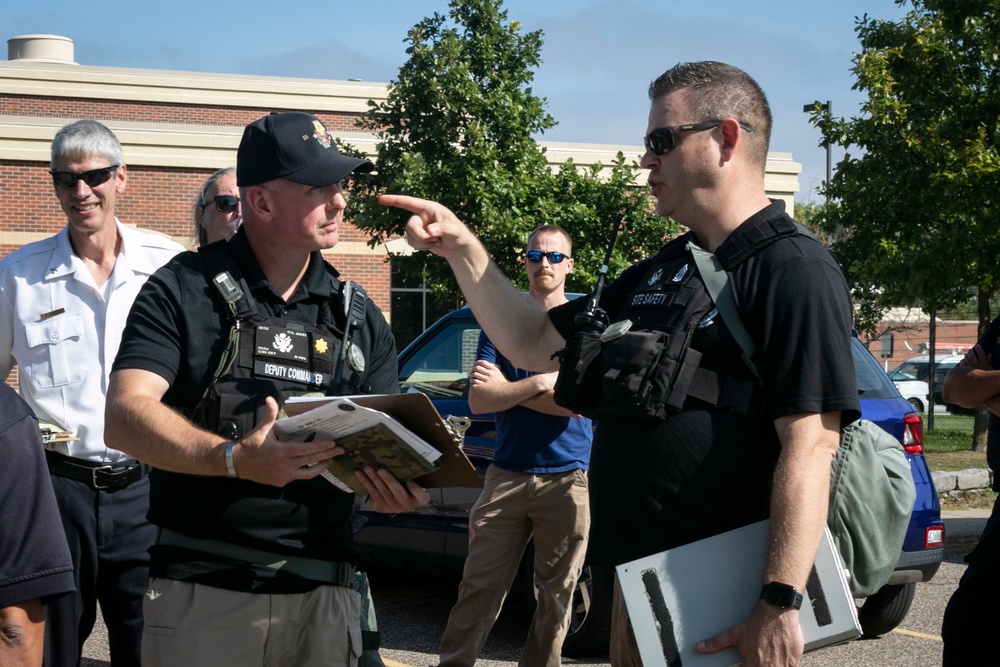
[(188, 142)]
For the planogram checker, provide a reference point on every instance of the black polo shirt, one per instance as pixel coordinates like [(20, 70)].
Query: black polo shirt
[(176, 329)]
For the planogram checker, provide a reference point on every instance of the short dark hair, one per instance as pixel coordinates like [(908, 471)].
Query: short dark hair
[(551, 229), (721, 91)]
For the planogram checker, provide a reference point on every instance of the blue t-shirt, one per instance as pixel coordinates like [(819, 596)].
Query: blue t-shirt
[(530, 441)]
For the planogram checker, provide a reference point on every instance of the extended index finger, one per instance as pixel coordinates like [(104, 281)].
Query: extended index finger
[(421, 207)]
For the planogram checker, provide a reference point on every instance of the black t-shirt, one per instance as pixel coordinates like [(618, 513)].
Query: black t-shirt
[(705, 470), (34, 559), (176, 329)]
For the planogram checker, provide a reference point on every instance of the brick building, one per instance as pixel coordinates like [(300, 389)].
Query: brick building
[(178, 127), (911, 336)]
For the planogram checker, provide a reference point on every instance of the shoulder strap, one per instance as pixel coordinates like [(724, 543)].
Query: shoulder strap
[(751, 239), (717, 283)]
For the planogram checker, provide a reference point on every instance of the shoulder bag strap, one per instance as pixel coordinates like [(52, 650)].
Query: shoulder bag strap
[(717, 283)]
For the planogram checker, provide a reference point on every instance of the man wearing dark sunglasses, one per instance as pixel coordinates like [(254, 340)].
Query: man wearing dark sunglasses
[(216, 209), (63, 304), (535, 489), (698, 463)]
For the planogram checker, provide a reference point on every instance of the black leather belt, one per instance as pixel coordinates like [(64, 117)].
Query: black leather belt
[(96, 475)]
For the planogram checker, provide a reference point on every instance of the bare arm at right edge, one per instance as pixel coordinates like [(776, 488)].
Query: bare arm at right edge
[(973, 381), (519, 327)]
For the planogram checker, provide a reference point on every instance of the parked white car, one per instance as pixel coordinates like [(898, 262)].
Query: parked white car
[(914, 391), (910, 378)]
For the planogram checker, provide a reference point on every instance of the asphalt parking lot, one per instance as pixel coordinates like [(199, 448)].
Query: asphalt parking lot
[(412, 616)]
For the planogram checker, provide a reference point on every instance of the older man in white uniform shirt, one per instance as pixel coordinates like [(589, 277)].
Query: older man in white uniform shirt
[(63, 305)]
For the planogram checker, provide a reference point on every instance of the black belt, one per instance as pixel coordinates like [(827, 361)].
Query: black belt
[(96, 475), (335, 573)]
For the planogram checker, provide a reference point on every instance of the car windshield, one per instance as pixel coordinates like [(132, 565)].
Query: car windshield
[(908, 371), (872, 380), (440, 368)]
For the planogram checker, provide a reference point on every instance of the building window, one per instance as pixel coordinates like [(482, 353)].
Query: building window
[(414, 306)]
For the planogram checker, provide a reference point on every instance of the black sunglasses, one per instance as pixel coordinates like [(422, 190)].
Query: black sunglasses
[(553, 256), (662, 140), (93, 178), (224, 203)]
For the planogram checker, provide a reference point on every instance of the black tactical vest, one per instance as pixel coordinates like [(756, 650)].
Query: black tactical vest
[(270, 356), (649, 371)]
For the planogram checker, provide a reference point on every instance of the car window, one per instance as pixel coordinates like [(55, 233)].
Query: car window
[(441, 366), (872, 380), (908, 371)]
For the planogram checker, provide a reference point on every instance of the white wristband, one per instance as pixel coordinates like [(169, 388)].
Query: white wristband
[(229, 459)]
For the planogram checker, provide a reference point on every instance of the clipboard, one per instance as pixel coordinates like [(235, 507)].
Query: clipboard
[(680, 596), (416, 412)]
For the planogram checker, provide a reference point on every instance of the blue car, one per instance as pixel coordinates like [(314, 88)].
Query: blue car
[(434, 539)]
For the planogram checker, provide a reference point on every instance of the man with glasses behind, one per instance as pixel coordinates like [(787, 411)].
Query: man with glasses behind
[(722, 448), (63, 304), (535, 489), (216, 210)]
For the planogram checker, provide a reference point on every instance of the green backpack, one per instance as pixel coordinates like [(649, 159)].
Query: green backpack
[(871, 489)]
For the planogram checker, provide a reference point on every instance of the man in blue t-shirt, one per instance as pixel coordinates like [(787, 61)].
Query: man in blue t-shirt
[(536, 487)]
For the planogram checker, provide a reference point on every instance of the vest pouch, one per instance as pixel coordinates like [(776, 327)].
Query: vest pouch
[(577, 385), (231, 406), (630, 366)]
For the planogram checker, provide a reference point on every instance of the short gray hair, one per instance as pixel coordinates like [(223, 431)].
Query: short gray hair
[(83, 138)]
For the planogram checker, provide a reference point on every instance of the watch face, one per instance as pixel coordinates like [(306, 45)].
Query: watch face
[(781, 595)]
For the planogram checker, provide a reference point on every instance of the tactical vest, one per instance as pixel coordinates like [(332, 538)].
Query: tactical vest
[(271, 356), (643, 366)]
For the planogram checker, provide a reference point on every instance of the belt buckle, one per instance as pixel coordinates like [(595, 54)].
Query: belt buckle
[(105, 468)]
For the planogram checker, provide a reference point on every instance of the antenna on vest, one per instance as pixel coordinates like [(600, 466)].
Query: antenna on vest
[(593, 318)]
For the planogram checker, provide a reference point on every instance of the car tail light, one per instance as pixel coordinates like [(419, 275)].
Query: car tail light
[(913, 434), (934, 536)]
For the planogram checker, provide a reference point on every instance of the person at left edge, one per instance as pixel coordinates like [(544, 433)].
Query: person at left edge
[(254, 561), (63, 304), (35, 565)]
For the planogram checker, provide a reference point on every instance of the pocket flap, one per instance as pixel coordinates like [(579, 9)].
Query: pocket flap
[(55, 330)]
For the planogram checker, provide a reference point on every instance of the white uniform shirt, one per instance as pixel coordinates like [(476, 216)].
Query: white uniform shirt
[(63, 331)]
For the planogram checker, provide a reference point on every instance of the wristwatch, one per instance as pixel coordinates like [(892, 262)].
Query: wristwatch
[(781, 595)]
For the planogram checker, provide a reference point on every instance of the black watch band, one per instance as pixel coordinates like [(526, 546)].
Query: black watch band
[(781, 595)]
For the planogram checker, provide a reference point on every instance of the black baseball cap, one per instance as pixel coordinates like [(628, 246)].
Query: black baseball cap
[(292, 145)]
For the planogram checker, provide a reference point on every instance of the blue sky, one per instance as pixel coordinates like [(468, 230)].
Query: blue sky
[(598, 55)]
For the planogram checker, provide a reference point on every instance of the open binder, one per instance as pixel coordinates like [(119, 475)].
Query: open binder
[(416, 415)]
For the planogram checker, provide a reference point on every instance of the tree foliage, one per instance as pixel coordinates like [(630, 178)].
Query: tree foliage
[(912, 204), (457, 127)]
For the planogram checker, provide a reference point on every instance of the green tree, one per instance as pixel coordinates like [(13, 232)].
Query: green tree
[(457, 126), (912, 203)]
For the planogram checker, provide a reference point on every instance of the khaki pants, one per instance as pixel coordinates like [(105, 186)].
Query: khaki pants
[(553, 509), (191, 625)]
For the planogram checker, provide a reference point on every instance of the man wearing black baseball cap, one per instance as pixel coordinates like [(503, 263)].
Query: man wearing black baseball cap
[(212, 347)]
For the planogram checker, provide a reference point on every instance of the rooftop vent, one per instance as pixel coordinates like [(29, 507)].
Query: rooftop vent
[(41, 49)]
